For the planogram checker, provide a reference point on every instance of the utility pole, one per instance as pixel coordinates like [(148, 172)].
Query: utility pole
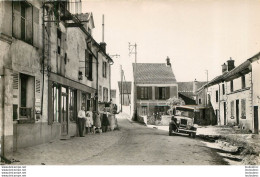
[(121, 72), (132, 47)]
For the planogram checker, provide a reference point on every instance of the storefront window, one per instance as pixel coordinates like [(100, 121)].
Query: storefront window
[(55, 99), (72, 105)]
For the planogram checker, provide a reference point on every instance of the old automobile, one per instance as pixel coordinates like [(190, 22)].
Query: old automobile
[(182, 121)]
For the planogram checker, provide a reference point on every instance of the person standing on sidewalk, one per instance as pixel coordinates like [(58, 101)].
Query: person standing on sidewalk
[(81, 120), (91, 122)]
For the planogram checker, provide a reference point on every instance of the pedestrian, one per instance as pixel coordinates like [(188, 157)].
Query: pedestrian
[(89, 121), (81, 120), (105, 121), (97, 122)]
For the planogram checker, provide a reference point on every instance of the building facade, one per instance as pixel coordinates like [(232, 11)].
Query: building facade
[(232, 95), (47, 73), (154, 83)]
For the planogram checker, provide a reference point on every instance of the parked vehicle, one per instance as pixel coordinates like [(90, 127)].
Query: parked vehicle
[(182, 121)]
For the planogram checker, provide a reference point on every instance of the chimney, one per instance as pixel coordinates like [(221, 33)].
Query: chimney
[(168, 62), (195, 86), (103, 46), (231, 64), (224, 68)]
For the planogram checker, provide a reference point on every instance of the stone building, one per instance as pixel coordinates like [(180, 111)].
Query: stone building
[(47, 74), (154, 83), (232, 95)]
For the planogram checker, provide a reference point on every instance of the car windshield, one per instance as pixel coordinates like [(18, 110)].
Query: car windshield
[(184, 113)]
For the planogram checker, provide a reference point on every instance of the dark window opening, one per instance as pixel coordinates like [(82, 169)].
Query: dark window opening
[(231, 86), (217, 96), (162, 93), (223, 89), (243, 81), (104, 69), (59, 41)]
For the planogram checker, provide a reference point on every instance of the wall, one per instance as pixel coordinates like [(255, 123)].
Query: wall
[(239, 94), (256, 87)]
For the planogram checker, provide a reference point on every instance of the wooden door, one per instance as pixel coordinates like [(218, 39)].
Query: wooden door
[(237, 111), (225, 112), (256, 128), (64, 112)]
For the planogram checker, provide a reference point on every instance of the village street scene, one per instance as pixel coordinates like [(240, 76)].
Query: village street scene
[(85, 82)]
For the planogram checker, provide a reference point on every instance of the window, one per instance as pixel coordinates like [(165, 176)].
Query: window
[(104, 69), (58, 41), (144, 110), (216, 95), (162, 93), (243, 82), (105, 94), (243, 108), (88, 65), (231, 86), (26, 97), (223, 89), (22, 21), (199, 100), (144, 92), (232, 109)]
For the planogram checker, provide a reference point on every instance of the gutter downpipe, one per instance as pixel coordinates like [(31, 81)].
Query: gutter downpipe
[(43, 55)]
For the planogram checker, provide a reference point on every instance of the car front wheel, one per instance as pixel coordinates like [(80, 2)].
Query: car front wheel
[(170, 131)]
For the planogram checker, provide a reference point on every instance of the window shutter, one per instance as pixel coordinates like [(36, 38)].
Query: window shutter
[(156, 93), (167, 92), (86, 63), (15, 95), (16, 19), (29, 25), (150, 93), (35, 27), (63, 41), (50, 103), (173, 91), (138, 92), (90, 66)]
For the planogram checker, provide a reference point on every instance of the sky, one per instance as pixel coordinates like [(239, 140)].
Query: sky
[(197, 35)]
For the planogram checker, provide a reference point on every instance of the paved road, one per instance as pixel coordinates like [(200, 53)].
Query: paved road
[(133, 144), (139, 145)]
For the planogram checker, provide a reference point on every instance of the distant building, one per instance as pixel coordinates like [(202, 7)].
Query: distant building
[(154, 84), (113, 95), (234, 95), (187, 91), (125, 88)]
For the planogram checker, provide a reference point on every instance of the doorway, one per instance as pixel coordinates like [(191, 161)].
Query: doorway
[(237, 112), (225, 116), (64, 112), (256, 128)]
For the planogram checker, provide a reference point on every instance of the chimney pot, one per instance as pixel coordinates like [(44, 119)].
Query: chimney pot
[(168, 62)]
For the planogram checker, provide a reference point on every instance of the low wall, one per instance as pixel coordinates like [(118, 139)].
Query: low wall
[(26, 135)]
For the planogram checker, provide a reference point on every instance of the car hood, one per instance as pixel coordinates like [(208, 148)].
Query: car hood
[(182, 117)]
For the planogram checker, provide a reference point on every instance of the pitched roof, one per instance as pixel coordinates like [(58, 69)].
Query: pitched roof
[(126, 87), (185, 86), (153, 73), (236, 72)]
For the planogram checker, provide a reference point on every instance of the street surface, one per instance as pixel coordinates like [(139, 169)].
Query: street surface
[(132, 144)]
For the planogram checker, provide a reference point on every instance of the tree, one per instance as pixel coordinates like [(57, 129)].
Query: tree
[(174, 101)]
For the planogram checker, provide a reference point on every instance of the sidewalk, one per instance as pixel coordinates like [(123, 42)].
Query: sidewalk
[(67, 152)]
